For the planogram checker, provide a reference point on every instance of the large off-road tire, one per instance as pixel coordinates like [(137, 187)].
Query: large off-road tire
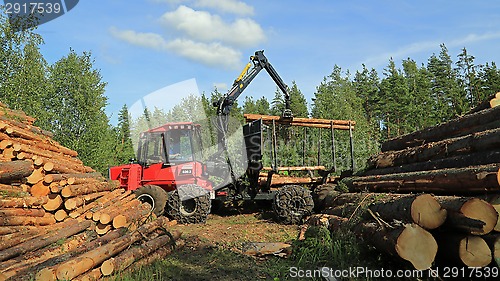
[(154, 196), (194, 209), (292, 203)]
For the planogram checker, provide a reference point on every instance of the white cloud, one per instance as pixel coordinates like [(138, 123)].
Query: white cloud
[(227, 6), (213, 54), (203, 26), (418, 47), (220, 86)]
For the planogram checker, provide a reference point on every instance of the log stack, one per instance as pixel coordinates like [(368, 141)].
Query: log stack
[(56, 214), (439, 186)]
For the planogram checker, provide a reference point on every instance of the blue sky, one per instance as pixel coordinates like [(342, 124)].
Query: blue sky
[(142, 46)]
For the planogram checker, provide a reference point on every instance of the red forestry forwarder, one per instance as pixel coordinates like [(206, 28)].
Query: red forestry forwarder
[(168, 175)]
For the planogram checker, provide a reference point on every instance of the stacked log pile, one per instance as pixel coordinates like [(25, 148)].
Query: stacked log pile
[(429, 197), (61, 220)]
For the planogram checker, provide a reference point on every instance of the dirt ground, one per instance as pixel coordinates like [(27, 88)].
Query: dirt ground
[(213, 251)]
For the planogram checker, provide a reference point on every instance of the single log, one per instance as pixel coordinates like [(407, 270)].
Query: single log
[(5, 230), (36, 176), (22, 212), (23, 202), (299, 168), (457, 127), (15, 170), (15, 238), (60, 215), (451, 181), (284, 180), (54, 202), (468, 250), (479, 141), (82, 189), (410, 242), (92, 175), (75, 202), (72, 227), (26, 220), (51, 155), (422, 209), (127, 257), (5, 143), (8, 153), (40, 189), (270, 118), (471, 215), (459, 161), (74, 267)]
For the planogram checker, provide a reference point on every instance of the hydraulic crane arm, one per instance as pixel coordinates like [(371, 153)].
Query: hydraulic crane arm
[(259, 62)]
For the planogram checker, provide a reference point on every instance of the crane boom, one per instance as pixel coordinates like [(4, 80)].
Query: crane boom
[(259, 62)]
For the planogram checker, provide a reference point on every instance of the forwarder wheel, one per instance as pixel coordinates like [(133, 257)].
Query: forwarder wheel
[(292, 204), (154, 196), (189, 203)]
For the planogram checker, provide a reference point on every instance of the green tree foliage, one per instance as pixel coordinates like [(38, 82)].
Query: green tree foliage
[(76, 110), (336, 98), (124, 148)]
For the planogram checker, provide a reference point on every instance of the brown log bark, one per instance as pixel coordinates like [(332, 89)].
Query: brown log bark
[(93, 175), (129, 256), (22, 212), (83, 263), (107, 216), (26, 265), (471, 215), (267, 118), (457, 127), (111, 205), (467, 180), (159, 254), (72, 227), (15, 170), (479, 141), (422, 209), (82, 189), (26, 220), (23, 202), (126, 218), (75, 202), (468, 250), (459, 161), (93, 275), (97, 203), (410, 242), (5, 230), (54, 202), (49, 155)]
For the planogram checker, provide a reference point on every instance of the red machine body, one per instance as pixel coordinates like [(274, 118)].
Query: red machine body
[(167, 157)]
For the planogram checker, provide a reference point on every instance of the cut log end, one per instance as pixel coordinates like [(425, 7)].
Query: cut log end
[(483, 211), (108, 267), (427, 212), (417, 246), (474, 251)]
